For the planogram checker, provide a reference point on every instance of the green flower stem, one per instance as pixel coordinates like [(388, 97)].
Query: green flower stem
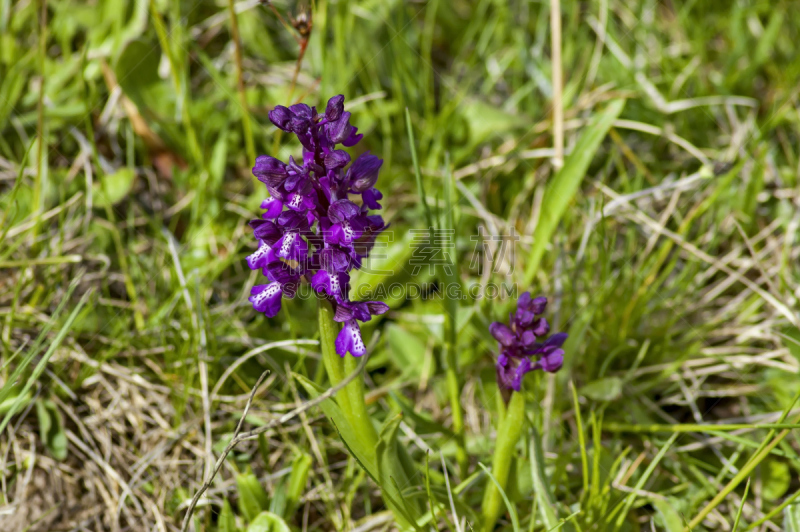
[(508, 434), (454, 395), (358, 404), (334, 364), (351, 398)]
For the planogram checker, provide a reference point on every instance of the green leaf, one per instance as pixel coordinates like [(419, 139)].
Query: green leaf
[(485, 121), (668, 516), (364, 455), (137, 74), (114, 187), (605, 389), (226, 521), (423, 423), (520, 480), (6, 405), (565, 183), (407, 349), (775, 477), (390, 466), (277, 505), (791, 518), (263, 448), (51, 428), (741, 506), (541, 488), (301, 466), (268, 522), (252, 497), (37, 371), (510, 507)]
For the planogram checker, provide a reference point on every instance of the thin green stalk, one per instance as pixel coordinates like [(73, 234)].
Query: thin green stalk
[(735, 481), (163, 39), (351, 399), (451, 317), (334, 365), (417, 174), (37, 187), (741, 506), (237, 48), (775, 511), (360, 419), (508, 435), (697, 427)]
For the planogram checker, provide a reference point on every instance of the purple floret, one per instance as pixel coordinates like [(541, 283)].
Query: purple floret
[(523, 347), (310, 228)]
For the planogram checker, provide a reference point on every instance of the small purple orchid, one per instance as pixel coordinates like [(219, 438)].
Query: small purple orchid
[(521, 347), (310, 228)]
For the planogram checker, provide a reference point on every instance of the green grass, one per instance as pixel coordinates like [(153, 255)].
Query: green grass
[(668, 245)]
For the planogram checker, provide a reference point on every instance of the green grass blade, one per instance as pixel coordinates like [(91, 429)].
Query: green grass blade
[(540, 486), (511, 510), (37, 371), (741, 506), (565, 183), (417, 173), (629, 500)]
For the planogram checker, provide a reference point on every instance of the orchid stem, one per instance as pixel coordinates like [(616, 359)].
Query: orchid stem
[(334, 364), (508, 434), (351, 399)]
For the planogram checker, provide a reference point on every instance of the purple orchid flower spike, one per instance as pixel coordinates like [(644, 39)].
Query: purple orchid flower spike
[(522, 343), (311, 228)]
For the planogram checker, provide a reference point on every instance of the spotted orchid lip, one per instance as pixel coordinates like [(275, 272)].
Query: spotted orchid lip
[(310, 227)]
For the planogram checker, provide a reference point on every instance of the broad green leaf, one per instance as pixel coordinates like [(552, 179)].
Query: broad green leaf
[(363, 454), (668, 516), (775, 477), (263, 448), (605, 389), (520, 480), (301, 465), (6, 405), (541, 488), (137, 74), (510, 507), (485, 121), (423, 423), (114, 187), (252, 497), (791, 518), (565, 183), (277, 505), (408, 351), (394, 464), (226, 522), (51, 428), (268, 522)]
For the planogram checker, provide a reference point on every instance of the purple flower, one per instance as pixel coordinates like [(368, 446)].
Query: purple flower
[(521, 347), (310, 228)]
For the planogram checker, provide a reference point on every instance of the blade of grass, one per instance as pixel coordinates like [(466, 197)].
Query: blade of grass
[(697, 427), (417, 174), (775, 511), (8, 385), (541, 489), (565, 183), (581, 441), (511, 510), (741, 506), (629, 500), (37, 371), (758, 457)]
